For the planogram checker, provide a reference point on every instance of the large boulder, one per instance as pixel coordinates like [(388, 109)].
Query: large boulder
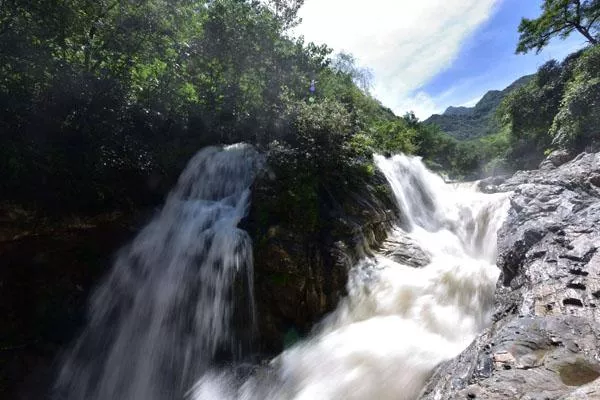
[(544, 342), (556, 159), (300, 271), (400, 247)]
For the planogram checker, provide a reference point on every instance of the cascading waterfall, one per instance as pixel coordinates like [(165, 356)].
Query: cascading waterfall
[(398, 322), (178, 297)]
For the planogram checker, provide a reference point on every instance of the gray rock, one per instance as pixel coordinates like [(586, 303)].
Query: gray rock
[(404, 250), (590, 391), (556, 159), (544, 342), (490, 185)]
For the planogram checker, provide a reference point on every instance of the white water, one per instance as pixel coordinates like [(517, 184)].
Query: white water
[(398, 322), (178, 297)]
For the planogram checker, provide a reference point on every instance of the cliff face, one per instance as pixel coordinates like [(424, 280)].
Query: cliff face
[(300, 275), (544, 342), (48, 270)]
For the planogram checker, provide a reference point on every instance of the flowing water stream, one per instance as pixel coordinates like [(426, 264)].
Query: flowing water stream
[(398, 322), (169, 303), (168, 308)]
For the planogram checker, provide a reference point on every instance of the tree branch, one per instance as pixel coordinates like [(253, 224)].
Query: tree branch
[(586, 34), (577, 22), (578, 11), (548, 35), (592, 21)]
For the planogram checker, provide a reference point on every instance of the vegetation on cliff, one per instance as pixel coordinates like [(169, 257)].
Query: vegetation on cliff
[(465, 123)]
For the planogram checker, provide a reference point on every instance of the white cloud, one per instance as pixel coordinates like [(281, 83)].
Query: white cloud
[(405, 43)]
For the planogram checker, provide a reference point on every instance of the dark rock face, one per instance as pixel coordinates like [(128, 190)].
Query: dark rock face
[(301, 274), (46, 276), (545, 339)]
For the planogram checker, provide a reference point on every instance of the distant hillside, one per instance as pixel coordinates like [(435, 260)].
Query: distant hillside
[(472, 122)]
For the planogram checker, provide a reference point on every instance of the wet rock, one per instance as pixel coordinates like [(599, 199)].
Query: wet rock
[(490, 185), (404, 250), (545, 339), (301, 268), (46, 275)]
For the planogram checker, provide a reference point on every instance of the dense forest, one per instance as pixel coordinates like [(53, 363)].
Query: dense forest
[(101, 103)]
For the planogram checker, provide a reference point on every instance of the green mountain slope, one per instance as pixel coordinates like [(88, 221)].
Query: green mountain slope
[(465, 123)]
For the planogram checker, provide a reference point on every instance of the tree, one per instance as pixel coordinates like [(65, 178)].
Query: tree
[(411, 119), (560, 18), (285, 11), (575, 126), (345, 63)]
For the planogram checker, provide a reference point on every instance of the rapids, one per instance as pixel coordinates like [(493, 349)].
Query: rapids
[(398, 322), (179, 298)]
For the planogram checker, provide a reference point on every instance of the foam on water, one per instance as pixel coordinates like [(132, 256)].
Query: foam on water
[(398, 322)]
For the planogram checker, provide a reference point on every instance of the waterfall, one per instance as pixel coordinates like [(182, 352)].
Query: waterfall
[(398, 322), (178, 297)]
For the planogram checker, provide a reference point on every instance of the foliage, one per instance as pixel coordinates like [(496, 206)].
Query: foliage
[(560, 18), (104, 101), (528, 113), (558, 109), (395, 136), (346, 64), (577, 123)]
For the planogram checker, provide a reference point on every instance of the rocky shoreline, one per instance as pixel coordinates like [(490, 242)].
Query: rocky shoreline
[(544, 342)]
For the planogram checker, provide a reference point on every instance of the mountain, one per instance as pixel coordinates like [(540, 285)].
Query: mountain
[(465, 123)]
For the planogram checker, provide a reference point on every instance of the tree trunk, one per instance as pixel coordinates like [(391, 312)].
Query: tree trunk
[(586, 34)]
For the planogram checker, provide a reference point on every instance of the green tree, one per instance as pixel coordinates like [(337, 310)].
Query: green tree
[(560, 18), (97, 97), (528, 112), (285, 11), (575, 126), (346, 63)]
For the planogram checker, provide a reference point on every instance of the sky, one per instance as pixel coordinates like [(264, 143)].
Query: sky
[(426, 55)]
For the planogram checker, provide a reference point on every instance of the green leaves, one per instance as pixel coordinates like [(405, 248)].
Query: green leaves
[(577, 122), (560, 18), (396, 136), (559, 108)]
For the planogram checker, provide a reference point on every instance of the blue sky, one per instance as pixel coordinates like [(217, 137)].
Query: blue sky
[(430, 54)]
